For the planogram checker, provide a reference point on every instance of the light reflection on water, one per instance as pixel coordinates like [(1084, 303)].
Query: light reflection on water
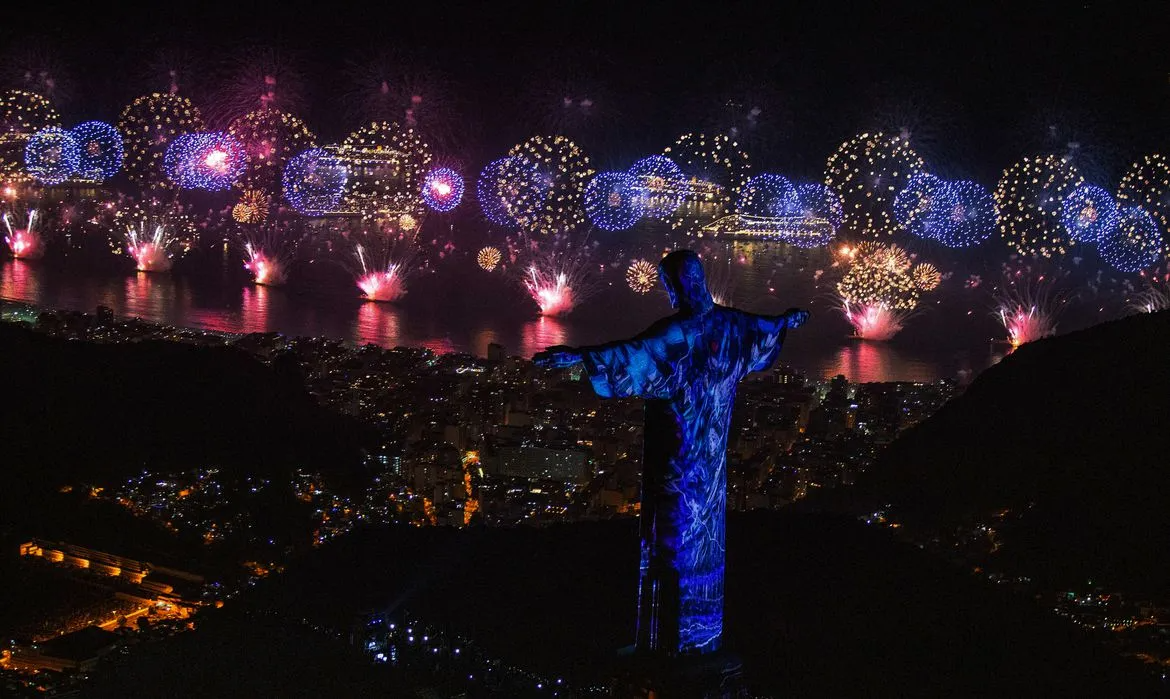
[(225, 306)]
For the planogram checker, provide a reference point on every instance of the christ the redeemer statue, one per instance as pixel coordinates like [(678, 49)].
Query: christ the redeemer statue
[(686, 367)]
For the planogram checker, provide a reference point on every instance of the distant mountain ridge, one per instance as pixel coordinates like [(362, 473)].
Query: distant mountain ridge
[(1072, 430), (83, 410)]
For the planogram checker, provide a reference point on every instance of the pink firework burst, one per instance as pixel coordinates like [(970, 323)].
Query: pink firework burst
[(1027, 304), (1026, 324), (270, 248), (874, 321), (25, 243), (550, 291), (265, 270), (149, 257), (382, 285)]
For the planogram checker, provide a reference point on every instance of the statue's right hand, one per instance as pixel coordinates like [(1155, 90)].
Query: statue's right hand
[(557, 357), (795, 317)]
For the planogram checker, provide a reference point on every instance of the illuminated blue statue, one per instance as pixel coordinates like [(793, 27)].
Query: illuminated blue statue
[(686, 367)]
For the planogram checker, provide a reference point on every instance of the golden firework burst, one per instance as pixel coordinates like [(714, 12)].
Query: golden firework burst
[(642, 276), (488, 258)]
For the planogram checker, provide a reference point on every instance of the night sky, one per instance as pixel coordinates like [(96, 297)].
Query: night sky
[(977, 85)]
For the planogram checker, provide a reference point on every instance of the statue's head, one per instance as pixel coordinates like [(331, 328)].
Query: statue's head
[(681, 273)]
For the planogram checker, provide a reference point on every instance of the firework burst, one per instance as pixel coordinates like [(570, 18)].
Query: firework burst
[(868, 172), (388, 164), (550, 290), (558, 272), (716, 169), (488, 258), (1026, 306), (25, 243), (383, 257), (252, 207), (1147, 184), (553, 172), (1025, 323), (153, 235), (148, 126), (881, 289), (1154, 297), (271, 245), (21, 115), (1030, 196), (875, 321), (642, 276), (926, 276), (270, 138), (149, 243)]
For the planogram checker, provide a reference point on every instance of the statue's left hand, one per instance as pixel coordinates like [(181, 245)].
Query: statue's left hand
[(795, 317), (557, 357)]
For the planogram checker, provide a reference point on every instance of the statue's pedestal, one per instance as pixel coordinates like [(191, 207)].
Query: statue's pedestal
[(716, 675)]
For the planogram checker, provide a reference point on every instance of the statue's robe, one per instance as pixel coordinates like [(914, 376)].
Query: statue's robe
[(686, 367)]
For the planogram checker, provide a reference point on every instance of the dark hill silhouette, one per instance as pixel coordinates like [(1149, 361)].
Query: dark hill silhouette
[(80, 410), (1073, 432), (817, 606)]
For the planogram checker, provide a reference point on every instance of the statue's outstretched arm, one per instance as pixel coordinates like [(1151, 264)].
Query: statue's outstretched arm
[(562, 356), (557, 357), (792, 318)]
